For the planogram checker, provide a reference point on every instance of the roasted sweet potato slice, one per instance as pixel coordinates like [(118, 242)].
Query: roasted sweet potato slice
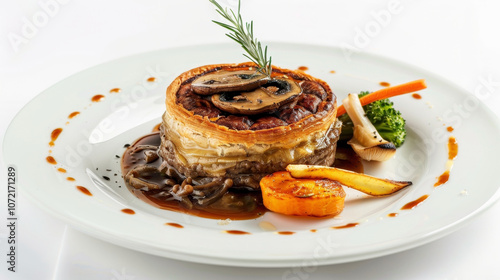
[(284, 194)]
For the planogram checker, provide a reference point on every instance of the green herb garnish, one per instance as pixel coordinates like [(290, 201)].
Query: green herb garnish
[(243, 35)]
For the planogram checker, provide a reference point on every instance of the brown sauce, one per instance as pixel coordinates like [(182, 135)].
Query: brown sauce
[(174, 225), (237, 232), (452, 148), (385, 84), (235, 204), (97, 98), (84, 190), (303, 68), (350, 225), (443, 178), (415, 203), (151, 79), (51, 160), (74, 114), (450, 129), (128, 211), (53, 136), (156, 128), (285, 232), (62, 170), (452, 154), (71, 179), (346, 158), (114, 90), (392, 214), (416, 96)]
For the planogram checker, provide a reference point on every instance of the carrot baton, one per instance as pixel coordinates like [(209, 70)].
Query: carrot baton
[(387, 93)]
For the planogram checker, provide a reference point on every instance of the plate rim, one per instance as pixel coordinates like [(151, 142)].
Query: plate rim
[(238, 262)]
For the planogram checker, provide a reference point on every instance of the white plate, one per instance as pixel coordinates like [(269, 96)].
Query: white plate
[(89, 142)]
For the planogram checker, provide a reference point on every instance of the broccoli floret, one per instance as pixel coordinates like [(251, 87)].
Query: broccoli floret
[(387, 120)]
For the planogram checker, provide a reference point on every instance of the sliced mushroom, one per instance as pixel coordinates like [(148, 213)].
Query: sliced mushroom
[(366, 140), (267, 98), (226, 81)]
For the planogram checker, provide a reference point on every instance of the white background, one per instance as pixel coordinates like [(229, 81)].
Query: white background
[(44, 41)]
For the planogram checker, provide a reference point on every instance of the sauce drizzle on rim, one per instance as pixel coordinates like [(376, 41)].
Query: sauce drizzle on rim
[(51, 160), (285, 232), (54, 135), (416, 96), (452, 154), (350, 225), (128, 211), (74, 114), (452, 148), (97, 98), (237, 232), (176, 225), (84, 190), (415, 203)]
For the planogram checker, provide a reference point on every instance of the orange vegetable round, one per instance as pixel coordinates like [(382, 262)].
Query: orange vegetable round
[(284, 194)]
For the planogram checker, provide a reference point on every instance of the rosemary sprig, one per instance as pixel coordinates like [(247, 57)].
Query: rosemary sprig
[(243, 35)]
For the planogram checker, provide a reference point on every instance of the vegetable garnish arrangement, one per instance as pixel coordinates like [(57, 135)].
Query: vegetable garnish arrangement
[(237, 137)]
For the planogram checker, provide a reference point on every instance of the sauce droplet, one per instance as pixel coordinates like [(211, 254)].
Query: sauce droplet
[(62, 170), (385, 84), (332, 71), (303, 68), (97, 98), (115, 90), (443, 178), (128, 211), (452, 148), (415, 203), (70, 179), (450, 129), (285, 232), (74, 114), (53, 136), (416, 96), (84, 190), (151, 79), (392, 214), (350, 225), (313, 230), (239, 232), (51, 160), (452, 154), (174, 225), (156, 128)]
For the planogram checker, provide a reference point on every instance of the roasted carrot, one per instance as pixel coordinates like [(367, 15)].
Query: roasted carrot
[(387, 93)]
